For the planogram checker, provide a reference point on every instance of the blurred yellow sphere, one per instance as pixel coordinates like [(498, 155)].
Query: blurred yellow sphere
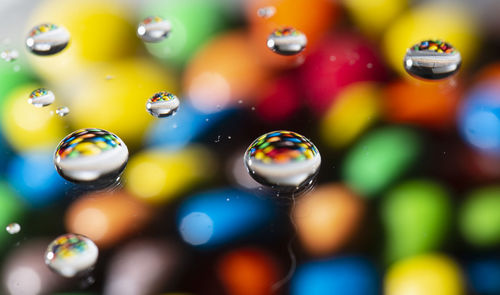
[(113, 97), (156, 176), (27, 127), (355, 109), (429, 274), (99, 30), (373, 17), (431, 20)]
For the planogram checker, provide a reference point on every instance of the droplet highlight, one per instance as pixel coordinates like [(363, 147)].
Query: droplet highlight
[(283, 160), (162, 104), (154, 29), (13, 228), (91, 156), (287, 41), (41, 97), (71, 254), (432, 60), (47, 39)]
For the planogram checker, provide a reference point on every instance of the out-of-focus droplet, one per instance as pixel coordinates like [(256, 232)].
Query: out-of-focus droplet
[(91, 155), (286, 41), (47, 39), (162, 104), (283, 160), (432, 60), (153, 29), (41, 97), (266, 12), (9, 55), (71, 254), (62, 111), (13, 228)]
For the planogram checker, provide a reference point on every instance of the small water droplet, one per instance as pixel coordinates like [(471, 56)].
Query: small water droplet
[(174, 126), (266, 12), (206, 120), (71, 254), (333, 58), (253, 108), (240, 101), (162, 104), (47, 39), (9, 55), (282, 160), (62, 111), (153, 29), (432, 59), (286, 41), (109, 77), (369, 65), (218, 139), (41, 97), (227, 199), (13, 228), (16, 68), (91, 155), (229, 137)]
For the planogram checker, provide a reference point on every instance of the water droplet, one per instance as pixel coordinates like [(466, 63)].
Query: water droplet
[(369, 65), (71, 254), (162, 104), (41, 97), (227, 199), (13, 228), (91, 155), (109, 77), (9, 55), (333, 58), (153, 29), (62, 111), (17, 68), (286, 41), (253, 108), (229, 137), (432, 59), (240, 101), (266, 12), (218, 139), (207, 119), (47, 39), (283, 160)]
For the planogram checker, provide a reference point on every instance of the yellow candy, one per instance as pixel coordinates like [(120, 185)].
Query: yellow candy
[(430, 274), (157, 176), (373, 17), (355, 109), (99, 31), (431, 21), (27, 127), (117, 105)]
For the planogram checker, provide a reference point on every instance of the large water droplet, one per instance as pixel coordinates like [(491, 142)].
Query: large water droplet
[(47, 39), (41, 97), (162, 104), (62, 111), (432, 59), (287, 41), (9, 55), (266, 12), (71, 254), (153, 29), (91, 156), (13, 228), (284, 160)]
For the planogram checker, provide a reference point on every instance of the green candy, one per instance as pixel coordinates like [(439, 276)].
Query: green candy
[(380, 158), (193, 23), (479, 218), (416, 216), (10, 211)]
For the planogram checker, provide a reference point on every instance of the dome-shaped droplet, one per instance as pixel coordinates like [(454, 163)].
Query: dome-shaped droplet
[(432, 60), (162, 104), (41, 97), (91, 155), (283, 160), (62, 111), (71, 254), (13, 228), (287, 41), (47, 39), (153, 29)]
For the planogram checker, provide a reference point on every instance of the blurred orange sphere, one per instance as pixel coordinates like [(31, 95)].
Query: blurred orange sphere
[(248, 272), (106, 217), (327, 218)]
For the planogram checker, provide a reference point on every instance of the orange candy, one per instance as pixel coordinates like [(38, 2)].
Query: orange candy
[(106, 217), (248, 272), (327, 218), (428, 104), (313, 18)]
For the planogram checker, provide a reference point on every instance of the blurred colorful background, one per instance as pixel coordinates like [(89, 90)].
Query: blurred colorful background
[(407, 200)]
